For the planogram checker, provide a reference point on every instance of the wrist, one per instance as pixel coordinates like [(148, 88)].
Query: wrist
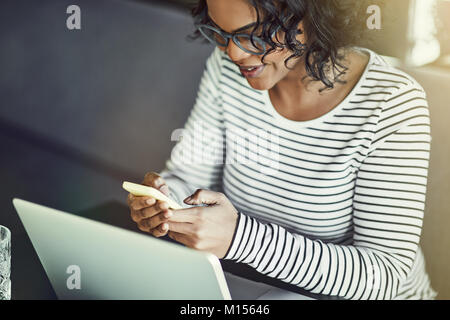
[(238, 217)]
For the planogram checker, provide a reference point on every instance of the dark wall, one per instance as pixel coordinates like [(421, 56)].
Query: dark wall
[(113, 90)]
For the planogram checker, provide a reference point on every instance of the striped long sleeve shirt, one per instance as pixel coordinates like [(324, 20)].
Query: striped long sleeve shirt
[(333, 205)]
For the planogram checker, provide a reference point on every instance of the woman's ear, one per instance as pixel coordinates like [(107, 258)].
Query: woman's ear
[(300, 33)]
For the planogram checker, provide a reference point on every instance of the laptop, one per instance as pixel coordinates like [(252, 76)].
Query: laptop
[(86, 259)]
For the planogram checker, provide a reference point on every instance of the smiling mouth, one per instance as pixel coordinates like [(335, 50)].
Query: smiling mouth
[(251, 68), (252, 71)]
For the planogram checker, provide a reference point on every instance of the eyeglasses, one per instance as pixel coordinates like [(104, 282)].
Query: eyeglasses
[(248, 43)]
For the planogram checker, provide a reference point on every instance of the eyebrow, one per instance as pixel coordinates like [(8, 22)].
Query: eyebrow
[(234, 31)]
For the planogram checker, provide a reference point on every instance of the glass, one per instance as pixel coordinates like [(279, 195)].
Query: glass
[(248, 43), (5, 263)]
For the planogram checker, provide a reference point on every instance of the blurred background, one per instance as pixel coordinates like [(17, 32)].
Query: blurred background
[(83, 110)]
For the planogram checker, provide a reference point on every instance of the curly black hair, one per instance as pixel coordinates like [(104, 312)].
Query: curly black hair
[(329, 25)]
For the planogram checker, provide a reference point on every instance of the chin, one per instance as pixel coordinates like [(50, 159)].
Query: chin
[(258, 84)]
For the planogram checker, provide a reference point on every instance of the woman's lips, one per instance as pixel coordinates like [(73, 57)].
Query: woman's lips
[(253, 73)]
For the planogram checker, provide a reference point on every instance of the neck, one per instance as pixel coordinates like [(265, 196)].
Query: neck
[(298, 87)]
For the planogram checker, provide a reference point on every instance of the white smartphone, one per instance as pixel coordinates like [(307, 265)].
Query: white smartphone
[(145, 191)]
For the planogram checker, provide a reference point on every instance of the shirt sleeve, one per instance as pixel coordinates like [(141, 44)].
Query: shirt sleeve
[(388, 209), (197, 159)]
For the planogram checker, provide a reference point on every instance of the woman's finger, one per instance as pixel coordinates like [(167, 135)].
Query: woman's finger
[(130, 198), (149, 224), (208, 197), (154, 210), (164, 189), (136, 215), (139, 203), (152, 179), (158, 219), (160, 231)]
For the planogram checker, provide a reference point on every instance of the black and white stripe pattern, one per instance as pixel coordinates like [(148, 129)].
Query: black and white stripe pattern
[(338, 208)]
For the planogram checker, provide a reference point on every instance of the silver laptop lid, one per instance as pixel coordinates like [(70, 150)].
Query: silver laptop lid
[(86, 259)]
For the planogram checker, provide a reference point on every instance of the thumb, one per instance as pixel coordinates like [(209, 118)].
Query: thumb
[(165, 189), (153, 179), (204, 197)]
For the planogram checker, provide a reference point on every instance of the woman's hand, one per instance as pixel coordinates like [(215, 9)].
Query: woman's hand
[(151, 215), (208, 228)]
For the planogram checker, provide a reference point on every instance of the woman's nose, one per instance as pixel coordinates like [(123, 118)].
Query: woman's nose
[(235, 53)]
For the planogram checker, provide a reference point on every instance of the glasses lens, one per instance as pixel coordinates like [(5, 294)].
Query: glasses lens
[(254, 45), (213, 36)]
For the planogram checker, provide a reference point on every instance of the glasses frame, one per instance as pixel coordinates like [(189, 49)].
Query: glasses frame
[(234, 36)]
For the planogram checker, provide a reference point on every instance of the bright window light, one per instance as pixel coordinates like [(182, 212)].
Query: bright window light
[(425, 48)]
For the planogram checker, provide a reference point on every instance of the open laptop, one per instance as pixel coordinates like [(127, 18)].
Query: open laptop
[(86, 259)]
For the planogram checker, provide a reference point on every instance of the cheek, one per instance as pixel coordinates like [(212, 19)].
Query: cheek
[(277, 59)]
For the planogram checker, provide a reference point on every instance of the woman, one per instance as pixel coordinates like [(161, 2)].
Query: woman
[(305, 157)]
